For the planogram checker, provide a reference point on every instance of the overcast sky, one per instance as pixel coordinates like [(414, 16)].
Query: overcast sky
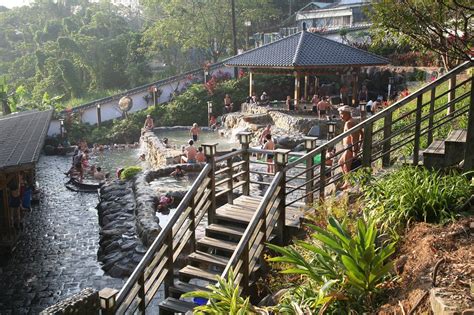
[(13, 3)]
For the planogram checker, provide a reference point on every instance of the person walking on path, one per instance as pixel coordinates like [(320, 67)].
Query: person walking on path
[(350, 143)]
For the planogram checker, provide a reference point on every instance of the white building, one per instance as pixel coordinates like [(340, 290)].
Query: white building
[(334, 15)]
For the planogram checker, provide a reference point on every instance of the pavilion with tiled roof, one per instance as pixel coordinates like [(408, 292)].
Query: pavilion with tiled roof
[(22, 138), (303, 54)]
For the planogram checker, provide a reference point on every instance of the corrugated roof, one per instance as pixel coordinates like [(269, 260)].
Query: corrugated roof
[(22, 137), (305, 49)]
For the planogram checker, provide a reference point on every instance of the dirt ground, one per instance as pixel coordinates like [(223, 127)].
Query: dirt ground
[(451, 247)]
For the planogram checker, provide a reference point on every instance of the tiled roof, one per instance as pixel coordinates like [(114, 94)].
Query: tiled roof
[(22, 136), (305, 49)]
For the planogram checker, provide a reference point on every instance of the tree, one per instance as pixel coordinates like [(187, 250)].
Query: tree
[(202, 25), (444, 27)]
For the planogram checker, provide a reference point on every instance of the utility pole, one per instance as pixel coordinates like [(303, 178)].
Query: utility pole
[(234, 35)]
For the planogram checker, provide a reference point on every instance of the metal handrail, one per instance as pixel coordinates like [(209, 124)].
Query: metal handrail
[(160, 240)]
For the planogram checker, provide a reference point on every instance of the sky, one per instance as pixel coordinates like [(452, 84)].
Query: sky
[(13, 3)]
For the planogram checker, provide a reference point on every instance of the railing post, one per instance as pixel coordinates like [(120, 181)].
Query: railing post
[(310, 144), (245, 269), (322, 175), (430, 118), (141, 293), (192, 227), (230, 183), (469, 152), (387, 132), (244, 139), (168, 281), (367, 145), (108, 298), (281, 158), (451, 95), (210, 153), (416, 146)]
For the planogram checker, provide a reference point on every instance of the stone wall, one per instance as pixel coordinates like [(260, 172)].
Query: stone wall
[(85, 302), (154, 149), (120, 250), (293, 123)]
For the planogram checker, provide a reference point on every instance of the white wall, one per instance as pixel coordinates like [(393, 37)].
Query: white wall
[(109, 110)]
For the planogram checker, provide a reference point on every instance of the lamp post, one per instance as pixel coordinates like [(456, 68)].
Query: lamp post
[(155, 89), (244, 140), (61, 128), (362, 109), (99, 118), (210, 150), (209, 112), (309, 144), (331, 129), (107, 298), (247, 25)]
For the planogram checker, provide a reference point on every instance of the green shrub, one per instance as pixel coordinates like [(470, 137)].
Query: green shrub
[(224, 298), (347, 266), (415, 194), (129, 172)]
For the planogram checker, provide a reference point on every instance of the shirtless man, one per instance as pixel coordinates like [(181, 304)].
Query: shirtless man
[(149, 124), (350, 143), (323, 108), (194, 132), (190, 153)]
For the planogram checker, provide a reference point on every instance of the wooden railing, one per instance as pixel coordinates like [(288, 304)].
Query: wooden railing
[(156, 267), (404, 128)]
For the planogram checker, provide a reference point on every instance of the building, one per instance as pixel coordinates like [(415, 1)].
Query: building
[(336, 15)]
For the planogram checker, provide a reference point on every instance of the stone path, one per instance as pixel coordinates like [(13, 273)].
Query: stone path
[(57, 253)]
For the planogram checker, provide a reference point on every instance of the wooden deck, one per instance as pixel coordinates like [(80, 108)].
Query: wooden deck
[(244, 207)]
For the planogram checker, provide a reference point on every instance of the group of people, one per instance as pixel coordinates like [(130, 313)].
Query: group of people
[(19, 201), (80, 164), (263, 100)]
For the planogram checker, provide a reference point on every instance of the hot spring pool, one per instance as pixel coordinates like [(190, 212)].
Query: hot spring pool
[(180, 137)]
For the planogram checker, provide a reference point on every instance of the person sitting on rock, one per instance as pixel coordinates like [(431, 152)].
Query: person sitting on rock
[(190, 153), (178, 172), (98, 174), (162, 204), (149, 124)]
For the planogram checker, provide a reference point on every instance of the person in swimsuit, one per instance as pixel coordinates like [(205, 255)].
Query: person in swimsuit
[(190, 153), (149, 124), (178, 172), (269, 145), (163, 203), (351, 143), (289, 104), (194, 132), (15, 202), (323, 108), (314, 102), (228, 105), (200, 157)]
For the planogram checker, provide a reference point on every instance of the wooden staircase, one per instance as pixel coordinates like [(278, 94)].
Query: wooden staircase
[(212, 253), (445, 153)]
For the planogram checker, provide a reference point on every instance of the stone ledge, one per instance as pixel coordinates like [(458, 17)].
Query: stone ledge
[(443, 304), (85, 302)]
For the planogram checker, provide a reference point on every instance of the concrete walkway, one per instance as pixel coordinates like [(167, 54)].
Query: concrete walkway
[(57, 253)]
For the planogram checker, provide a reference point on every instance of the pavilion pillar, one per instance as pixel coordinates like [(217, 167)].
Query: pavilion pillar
[(355, 88), (297, 87), (316, 85), (250, 83), (306, 86)]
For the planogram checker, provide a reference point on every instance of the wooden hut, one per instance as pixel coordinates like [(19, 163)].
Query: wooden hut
[(22, 137)]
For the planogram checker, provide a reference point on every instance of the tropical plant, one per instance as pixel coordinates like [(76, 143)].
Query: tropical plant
[(224, 298), (415, 194), (353, 261), (130, 172)]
